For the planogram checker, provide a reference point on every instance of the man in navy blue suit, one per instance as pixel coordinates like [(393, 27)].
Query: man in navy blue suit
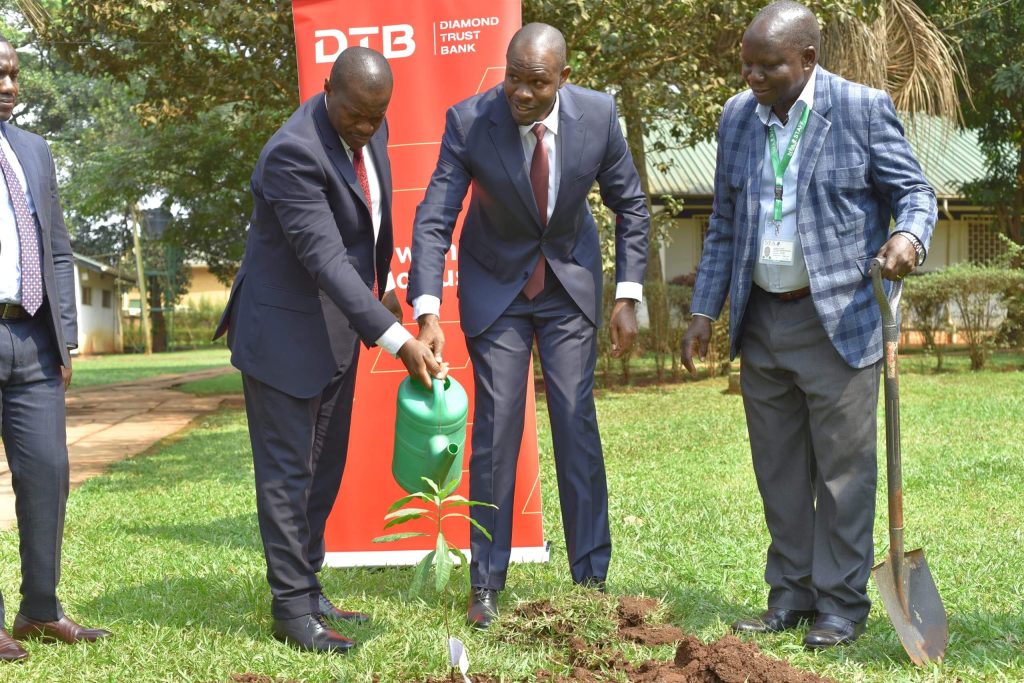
[(530, 267), (38, 326), (314, 282)]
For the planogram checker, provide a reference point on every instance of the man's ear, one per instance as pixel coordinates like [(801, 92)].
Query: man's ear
[(564, 76), (809, 57)]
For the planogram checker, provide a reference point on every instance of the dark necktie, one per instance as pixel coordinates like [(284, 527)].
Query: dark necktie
[(359, 164), (539, 181), (31, 278)]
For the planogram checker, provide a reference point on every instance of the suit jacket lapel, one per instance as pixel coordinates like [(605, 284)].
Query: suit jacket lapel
[(508, 144), (34, 175), (335, 150), (813, 141), (755, 169), (572, 134)]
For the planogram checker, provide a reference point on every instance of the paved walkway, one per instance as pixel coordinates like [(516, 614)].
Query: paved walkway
[(117, 421)]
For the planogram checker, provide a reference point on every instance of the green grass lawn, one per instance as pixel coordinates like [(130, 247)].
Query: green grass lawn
[(165, 550), (95, 370)]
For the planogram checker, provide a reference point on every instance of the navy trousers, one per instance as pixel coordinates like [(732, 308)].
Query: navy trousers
[(298, 450), (35, 439), (567, 343)]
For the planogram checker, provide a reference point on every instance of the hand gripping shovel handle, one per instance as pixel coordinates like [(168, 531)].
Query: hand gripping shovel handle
[(893, 464)]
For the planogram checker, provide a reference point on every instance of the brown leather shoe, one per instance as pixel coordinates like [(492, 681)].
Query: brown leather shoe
[(63, 630), (10, 650)]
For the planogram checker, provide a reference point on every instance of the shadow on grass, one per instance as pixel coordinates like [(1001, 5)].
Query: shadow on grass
[(237, 604), (238, 531)]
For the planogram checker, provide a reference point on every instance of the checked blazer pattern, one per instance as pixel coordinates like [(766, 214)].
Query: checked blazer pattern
[(857, 173)]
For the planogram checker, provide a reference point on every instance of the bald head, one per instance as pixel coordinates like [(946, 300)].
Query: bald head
[(790, 23), (358, 93), (362, 68), (538, 39)]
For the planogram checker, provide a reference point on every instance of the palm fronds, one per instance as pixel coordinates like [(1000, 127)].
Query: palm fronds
[(902, 52)]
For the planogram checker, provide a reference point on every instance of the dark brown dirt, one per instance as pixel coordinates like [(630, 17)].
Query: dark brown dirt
[(633, 626), (257, 678)]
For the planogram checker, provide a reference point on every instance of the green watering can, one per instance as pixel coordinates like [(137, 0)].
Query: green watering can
[(430, 433)]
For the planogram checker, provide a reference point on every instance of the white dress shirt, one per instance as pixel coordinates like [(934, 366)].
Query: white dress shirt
[(428, 303), (395, 336), (10, 247)]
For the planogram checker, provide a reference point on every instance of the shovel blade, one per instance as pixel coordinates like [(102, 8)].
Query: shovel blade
[(921, 622)]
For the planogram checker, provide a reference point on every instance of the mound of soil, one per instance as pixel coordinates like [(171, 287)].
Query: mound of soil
[(633, 626)]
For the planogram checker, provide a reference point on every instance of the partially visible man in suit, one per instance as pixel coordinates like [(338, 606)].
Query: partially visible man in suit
[(811, 168), (316, 265), (530, 266), (37, 327)]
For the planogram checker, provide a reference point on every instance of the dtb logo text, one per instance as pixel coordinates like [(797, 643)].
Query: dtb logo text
[(393, 42)]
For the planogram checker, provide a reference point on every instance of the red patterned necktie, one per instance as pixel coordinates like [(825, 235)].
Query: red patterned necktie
[(359, 164), (539, 181), (31, 277), (364, 181)]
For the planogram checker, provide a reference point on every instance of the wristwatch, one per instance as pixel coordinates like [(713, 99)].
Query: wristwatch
[(918, 247)]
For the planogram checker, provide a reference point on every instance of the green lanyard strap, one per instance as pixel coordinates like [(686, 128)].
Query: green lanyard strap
[(780, 165)]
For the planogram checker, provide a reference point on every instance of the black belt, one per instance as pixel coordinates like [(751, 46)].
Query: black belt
[(13, 312), (793, 295)]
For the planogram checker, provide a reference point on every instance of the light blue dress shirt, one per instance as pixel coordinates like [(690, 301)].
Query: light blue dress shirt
[(774, 277)]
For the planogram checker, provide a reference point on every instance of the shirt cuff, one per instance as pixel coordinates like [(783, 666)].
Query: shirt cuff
[(629, 290), (391, 282), (394, 338), (703, 315), (424, 304)]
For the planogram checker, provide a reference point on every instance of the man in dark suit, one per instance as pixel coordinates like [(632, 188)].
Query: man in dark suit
[(811, 170), (37, 327), (316, 266), (530, 266)]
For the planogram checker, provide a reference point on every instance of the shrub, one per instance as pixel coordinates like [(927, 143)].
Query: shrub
[(977, 295), (926, 299)]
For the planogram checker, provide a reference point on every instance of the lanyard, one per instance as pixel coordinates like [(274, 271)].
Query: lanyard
[(780, 166)]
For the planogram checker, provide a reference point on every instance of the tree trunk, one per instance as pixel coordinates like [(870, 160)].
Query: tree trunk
[(654, 287), (159, 324)]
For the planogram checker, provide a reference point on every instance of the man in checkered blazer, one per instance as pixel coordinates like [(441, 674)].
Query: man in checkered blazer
[(792, 234)]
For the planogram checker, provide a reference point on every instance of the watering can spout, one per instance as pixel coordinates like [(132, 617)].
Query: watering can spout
[(443, 451)]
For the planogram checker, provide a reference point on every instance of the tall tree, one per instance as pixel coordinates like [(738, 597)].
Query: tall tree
[(206, 84), (991, 35)]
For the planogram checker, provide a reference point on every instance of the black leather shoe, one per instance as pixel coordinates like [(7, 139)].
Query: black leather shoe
[(830, 630), (483, 607), (773, 620), (311, 632), (329, 611), (595, 583)]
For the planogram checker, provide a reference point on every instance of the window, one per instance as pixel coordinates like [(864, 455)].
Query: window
[(983, 243), (107, 298), (87, 296)]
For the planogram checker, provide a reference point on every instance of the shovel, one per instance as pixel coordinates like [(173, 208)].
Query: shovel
[(903, 580)]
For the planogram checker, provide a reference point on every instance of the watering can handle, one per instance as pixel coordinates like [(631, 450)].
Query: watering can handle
[(438, 386)]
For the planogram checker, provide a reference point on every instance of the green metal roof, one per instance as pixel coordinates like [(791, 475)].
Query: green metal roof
[(949, 157)]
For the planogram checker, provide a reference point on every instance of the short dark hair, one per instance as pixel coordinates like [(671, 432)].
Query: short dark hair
[(540, 36), (362, 67), (796, 23)]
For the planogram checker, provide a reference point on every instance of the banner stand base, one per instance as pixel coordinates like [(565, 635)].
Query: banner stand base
[(408, 558)]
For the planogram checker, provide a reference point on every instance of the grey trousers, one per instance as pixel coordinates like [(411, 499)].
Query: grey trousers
[(811, 421), (35, 439)]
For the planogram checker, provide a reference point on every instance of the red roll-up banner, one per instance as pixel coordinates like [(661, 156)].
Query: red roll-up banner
[(441, 52)]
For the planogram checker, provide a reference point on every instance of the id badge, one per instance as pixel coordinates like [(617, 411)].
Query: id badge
[(776, 252)]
